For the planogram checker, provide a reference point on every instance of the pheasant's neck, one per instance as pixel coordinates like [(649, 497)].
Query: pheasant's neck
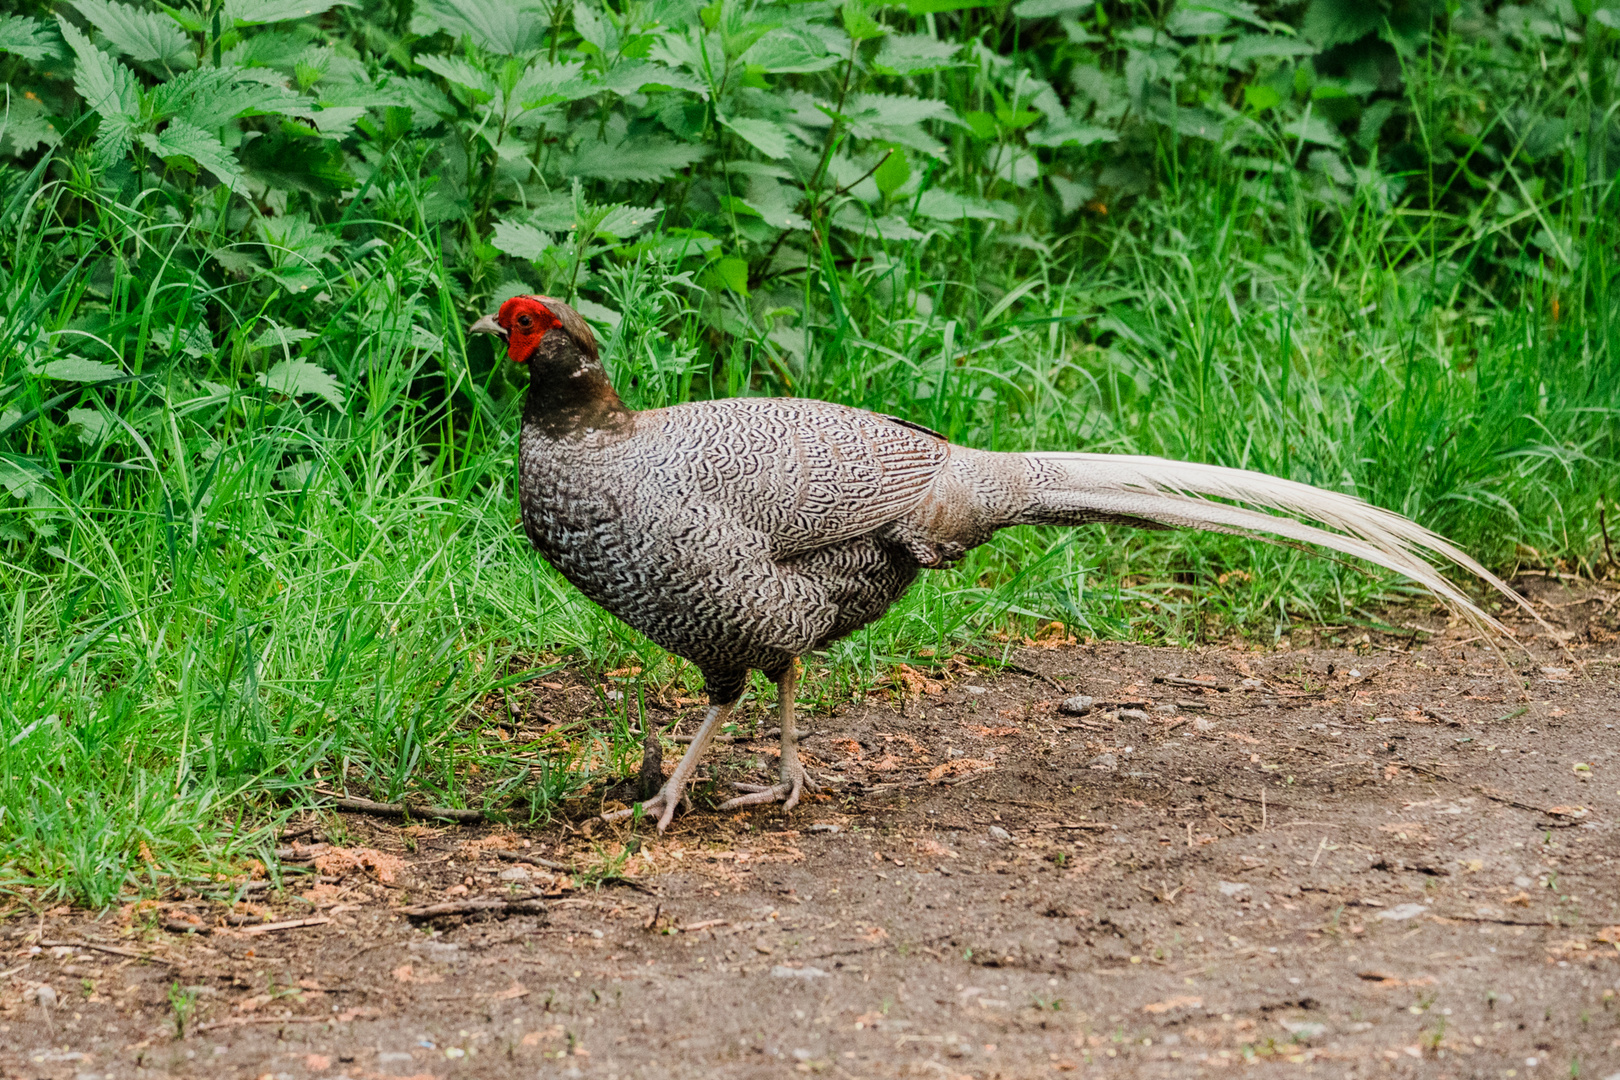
[(569, 392)]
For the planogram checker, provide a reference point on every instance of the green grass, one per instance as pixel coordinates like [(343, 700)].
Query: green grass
[(220, 591)]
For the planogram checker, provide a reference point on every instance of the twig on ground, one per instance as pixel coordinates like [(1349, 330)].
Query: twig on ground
[(401, 809), (532, 860), (343, 1017), (290, 924), (113, 949), (525, 906)]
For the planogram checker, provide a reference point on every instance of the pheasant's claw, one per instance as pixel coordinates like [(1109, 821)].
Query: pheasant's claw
[(795, 781), (663, 804)]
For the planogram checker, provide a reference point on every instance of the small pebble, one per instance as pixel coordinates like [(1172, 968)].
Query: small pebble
[(998, 833), (826, 827), (782, 971), (515, 873), (1203, 724), (1078, 705), (1133, 714), (1165, 708), (1232, 888), (46, 997), (1104, 761), (976, 689)]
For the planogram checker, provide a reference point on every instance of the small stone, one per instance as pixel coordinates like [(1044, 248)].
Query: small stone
[(782, 971), (1304, 1029), (1203, 723), (1133, 714), (976, 690), (998, 833), (1252, 684), (1233, 888), (1402, 912), (1078, 705), (826, 827), (515, 873), (45, 996), (1104, 761), (955, 752), (1165, 708)]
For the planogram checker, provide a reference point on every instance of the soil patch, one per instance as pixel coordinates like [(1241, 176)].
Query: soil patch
[(1400, 859)]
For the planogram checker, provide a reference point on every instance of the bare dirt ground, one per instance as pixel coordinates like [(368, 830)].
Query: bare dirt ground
[(1396, 859)]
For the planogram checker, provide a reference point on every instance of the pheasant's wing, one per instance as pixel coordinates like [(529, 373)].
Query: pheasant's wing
[(805, 473)]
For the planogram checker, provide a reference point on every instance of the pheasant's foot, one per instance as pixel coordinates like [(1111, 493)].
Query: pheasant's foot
[(663, 804), (795, 782)]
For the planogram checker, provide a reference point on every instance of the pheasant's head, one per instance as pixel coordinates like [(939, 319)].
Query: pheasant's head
[(524, 321), (566, 377)]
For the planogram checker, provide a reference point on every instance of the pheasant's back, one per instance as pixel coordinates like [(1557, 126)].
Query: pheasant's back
[(692, 523)]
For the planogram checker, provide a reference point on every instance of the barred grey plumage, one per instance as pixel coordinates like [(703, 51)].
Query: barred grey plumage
[(743, 533)]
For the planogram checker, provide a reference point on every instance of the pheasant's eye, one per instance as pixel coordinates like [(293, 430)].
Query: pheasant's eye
[(525, 322)]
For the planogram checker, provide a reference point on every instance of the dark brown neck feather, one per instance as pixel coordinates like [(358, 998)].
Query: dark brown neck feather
[(569, 390)]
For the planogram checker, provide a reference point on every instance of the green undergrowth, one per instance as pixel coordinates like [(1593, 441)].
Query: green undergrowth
[(257, 515)]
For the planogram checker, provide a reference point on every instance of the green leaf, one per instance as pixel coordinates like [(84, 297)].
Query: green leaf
[(787, 50), (632, 76), (26, 37), (913, 54), (184, 140), (942, 205), (1050, 9), (644, 158), (589, 25), (139, 35), (78, 369), (893, 173), (208, 97), (282, 337), (459, 71), (1314, 129), (520, 239), (1336, 22), (732, 273), (1260, 97), (509, 27), (1266, 47), (1189, 20), (1065, 132), (107, 87), (256, 12), (766, 136), (19, 474), (934, 7), (1609, 17), (292, 158), (24, 125), (93, 425), (623, 222), (295, 378), (858, 24)]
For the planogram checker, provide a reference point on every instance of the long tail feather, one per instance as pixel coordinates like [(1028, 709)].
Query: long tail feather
[(1068, 488)]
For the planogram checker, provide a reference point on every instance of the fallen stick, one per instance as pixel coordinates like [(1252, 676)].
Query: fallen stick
[(532, 860), (527, 906), (400, 809), (113, 949), (344, 1017), (290, 924)]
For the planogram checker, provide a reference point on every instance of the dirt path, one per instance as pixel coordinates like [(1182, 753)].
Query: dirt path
[(1377, 863)]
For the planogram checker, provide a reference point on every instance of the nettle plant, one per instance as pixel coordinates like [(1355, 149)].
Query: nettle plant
[(779, 180)]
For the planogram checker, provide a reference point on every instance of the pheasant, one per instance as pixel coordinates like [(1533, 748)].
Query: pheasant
[(743, 533)]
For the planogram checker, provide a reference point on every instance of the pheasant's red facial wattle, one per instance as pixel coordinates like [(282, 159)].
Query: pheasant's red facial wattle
[(526, 320)]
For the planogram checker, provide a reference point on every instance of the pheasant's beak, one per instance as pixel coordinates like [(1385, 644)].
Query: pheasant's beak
[(488, 325)]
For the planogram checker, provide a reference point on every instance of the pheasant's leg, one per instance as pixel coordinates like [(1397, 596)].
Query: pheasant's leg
[(674, 788), (794, 779)]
